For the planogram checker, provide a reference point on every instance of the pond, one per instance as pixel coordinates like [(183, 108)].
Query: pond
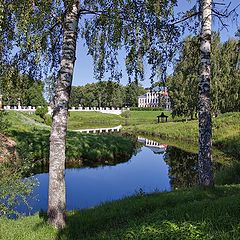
[(150, 169)]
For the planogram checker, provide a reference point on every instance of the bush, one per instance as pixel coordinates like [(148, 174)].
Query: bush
[(41, 112), (3, 121), (15, 189), (126, 114)]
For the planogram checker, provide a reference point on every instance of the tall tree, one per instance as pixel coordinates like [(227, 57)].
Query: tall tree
[(143, 27), (205, 121), (134, 23), (56, 192), (183, 84)]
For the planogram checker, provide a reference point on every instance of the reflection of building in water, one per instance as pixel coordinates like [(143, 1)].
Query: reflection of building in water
[(154, 146)]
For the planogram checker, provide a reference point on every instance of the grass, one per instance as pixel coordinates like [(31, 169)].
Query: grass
[(32, 140), (144, 117), (81, 120), (183, 214), (226, 132)]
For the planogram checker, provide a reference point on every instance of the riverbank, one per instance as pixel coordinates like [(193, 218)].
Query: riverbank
[(226, 132), (32, 142), (183, 214)]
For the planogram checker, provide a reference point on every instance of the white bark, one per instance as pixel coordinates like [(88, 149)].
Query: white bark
[(205, 128), (56, 193)]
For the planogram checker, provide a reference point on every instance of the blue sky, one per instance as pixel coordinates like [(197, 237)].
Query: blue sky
[(83, 72)]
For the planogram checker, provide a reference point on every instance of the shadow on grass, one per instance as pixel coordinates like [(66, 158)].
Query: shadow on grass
[(230, 146), (190, 214), (81, 149)]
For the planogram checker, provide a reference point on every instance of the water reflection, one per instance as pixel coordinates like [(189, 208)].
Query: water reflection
[(182, 164), (182, 167), (156, 147), (153, 166), (88, 187)]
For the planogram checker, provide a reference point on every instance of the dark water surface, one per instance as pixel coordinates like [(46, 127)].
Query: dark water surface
[(147, 171)]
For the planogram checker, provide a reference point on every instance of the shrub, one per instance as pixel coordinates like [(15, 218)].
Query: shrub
[(126, 114), (15, 189), (3, 121), (48, 120), (41, 112)]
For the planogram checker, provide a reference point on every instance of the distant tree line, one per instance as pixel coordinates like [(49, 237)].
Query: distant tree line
[(15, 85), (106, 94), (225, 83)]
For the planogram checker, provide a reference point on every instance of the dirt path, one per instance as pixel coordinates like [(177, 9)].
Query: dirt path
[(7, 148)]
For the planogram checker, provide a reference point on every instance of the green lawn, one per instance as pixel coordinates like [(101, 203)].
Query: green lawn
[(145, 117), (226, 131), (81, 120), (32, 139), (183, 214)]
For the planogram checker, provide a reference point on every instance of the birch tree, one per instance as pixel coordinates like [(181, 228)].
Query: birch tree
[(205, 121), (114, 23), (56, 192)]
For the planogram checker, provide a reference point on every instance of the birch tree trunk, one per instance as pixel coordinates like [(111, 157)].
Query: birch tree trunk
[(56, 191), (205, 124)]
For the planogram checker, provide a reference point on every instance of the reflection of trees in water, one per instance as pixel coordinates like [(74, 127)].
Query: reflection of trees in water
[(117, 153), (182, 167)]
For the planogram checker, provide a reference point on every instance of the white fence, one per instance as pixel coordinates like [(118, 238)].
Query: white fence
[(20, 108), (31, 109), (100, 130)]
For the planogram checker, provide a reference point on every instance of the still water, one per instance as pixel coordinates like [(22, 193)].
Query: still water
[(146, 171)]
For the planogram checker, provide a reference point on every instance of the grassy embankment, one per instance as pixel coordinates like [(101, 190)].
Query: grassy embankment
[(81, 120), (32, 138), (183, 214), (226, 132)]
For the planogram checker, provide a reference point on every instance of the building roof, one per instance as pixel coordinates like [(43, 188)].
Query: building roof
[(158, 89), (143, 96)]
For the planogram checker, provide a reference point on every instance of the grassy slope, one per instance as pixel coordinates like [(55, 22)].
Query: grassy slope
[(145, 117), (81, 120), (226, 131), (182, 214), (32, 140)]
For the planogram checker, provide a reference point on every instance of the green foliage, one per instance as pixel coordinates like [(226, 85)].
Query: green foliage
[(131, 25), (30, 37), (48, 120), (19, 86), (3, 121), (105, 94), (183, 214), (133, 91), (41, 111), (225, 82), (14, 188)]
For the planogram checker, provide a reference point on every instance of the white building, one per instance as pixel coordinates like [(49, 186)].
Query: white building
[(157, 97)]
